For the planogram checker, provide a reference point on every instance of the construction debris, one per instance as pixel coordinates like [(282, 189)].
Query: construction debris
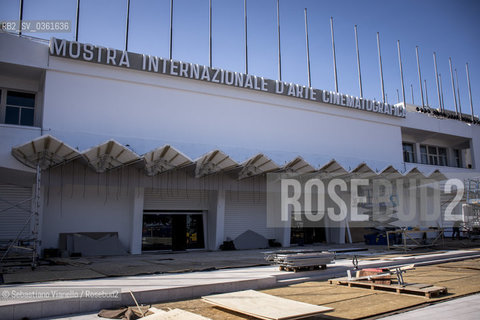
[(386, 279), (298, 260), (381, 280), (126, 313)]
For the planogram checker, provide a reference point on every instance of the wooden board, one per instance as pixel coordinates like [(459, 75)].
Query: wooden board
[(174, 314), (264, 306), (415, 289)]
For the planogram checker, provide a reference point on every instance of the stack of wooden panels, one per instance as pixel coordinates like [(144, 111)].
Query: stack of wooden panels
[(264, 306), (298, 261)]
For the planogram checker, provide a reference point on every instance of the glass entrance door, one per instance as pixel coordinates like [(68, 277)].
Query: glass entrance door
[(157, 232), (172, 231)]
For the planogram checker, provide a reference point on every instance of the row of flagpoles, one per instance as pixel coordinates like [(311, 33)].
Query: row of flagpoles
[(438, 79)]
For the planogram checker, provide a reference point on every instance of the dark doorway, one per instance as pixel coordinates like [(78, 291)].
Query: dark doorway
[(179, 231), (303, 232)]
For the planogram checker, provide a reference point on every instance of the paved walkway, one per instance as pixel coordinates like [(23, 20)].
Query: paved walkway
[(466, 308)]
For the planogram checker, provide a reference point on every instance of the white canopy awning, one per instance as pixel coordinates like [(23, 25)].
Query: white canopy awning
[(363, 171), (414, 173), (45, 151), (164, 159), (213, 162), (390, 173), (333, 168), (257, 165), (298, 165), (109, 155), (48, 151)]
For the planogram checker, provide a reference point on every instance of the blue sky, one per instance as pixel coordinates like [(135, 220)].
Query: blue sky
[(451, 28)]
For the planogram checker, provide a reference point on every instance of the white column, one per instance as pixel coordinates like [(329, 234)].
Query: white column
[(219, 224), (283, 234), (450, 157), (137, 221)]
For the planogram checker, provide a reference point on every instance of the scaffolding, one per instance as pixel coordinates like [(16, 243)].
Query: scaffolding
[(40, 154), (471, 210), (21, 250)]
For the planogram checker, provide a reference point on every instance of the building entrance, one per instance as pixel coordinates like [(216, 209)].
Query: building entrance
[(173, 231)]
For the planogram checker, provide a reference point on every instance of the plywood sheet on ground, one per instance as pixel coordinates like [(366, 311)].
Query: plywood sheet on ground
[(320, 293), (264, 306)]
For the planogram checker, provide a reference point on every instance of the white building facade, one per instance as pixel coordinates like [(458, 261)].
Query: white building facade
[(214, 143)]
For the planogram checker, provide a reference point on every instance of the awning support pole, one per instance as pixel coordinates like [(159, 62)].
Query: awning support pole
[(36, 218)]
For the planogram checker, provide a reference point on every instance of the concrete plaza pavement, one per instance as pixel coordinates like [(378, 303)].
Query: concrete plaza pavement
[(150, 289), (465, 308)]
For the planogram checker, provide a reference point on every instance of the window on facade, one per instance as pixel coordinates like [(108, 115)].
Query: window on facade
[(432, 155), (423, 155), (457, 158), (442, 156), (20, 108), (408, 152)]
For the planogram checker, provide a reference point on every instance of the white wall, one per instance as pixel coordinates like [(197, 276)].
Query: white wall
[(12, 136), (146, 110), (246, 211), (23, 51), (447, 126), (70, 211)]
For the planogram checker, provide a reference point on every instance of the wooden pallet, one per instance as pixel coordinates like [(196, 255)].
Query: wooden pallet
[(426, 290), (301, 268)]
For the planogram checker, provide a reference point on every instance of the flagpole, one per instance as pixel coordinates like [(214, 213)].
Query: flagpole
[(171, 29), (358, 63), (210, 34), (308, 50), (127, 25), (438, 85), (77, 20), (279, 52), (441, 90), (419, 76), (334, 56), (426, 93), (458, 95), (453, 86), (401, 74), (470, 91), (413, 99), (246, 35), (380, 67), (21, 17)]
